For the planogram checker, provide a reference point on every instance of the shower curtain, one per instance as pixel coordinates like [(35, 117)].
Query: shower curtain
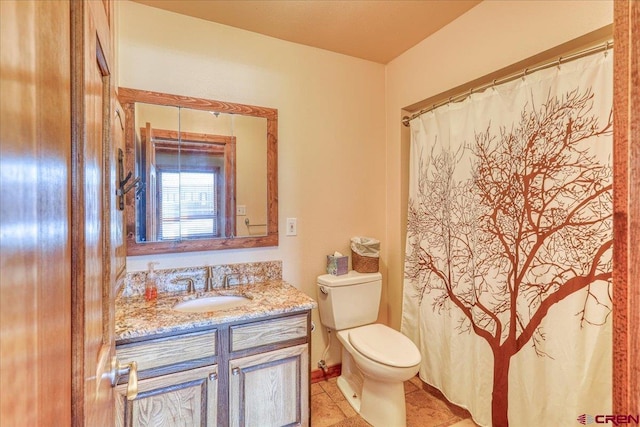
[(507, 288)]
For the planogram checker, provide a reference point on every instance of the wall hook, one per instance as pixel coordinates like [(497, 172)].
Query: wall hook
[(124, 186)]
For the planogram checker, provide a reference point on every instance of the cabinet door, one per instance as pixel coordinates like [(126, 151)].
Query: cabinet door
[(188, 398), (270, 389)]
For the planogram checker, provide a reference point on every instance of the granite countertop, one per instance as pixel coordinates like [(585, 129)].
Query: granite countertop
[(137, 318)]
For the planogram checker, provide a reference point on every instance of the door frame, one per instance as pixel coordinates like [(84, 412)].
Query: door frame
[(626, 207), (90, 23)]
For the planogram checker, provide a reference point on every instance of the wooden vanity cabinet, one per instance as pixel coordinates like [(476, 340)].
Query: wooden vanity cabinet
[(253, 373), (269, 388), (178, 382), (188, 398)]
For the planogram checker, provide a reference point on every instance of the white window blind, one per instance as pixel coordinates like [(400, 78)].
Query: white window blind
[(188, 205)]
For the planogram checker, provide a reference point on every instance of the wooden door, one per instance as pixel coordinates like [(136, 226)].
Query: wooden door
[(35, 252), (93, 281)]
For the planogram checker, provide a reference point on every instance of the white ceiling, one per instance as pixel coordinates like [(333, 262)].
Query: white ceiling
[(376, 30)]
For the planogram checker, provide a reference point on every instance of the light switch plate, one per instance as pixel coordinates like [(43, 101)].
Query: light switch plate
[(292, 226), (241, 210)]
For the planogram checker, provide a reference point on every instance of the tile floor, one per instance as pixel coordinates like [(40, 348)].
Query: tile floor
[(426, 407)]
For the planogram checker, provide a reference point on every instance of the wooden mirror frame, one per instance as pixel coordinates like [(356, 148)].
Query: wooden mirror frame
[(128, 97)]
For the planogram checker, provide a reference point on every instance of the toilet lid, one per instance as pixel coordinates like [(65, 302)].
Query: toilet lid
[(385, 345)]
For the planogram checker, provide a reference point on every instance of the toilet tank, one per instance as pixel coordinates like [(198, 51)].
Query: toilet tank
[(349, 300)]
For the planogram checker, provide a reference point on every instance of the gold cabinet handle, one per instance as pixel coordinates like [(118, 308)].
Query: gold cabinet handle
[(119, 369)]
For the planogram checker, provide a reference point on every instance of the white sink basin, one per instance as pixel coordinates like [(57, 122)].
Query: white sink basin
[(213, 303)]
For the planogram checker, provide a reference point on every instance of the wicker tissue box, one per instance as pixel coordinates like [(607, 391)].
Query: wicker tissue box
[(337, 265)]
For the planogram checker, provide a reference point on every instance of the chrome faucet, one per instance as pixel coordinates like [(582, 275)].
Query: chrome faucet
[(190, 288)]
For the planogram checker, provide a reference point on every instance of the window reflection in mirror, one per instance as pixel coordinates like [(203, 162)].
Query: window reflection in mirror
[(187, 161), (208, 176)]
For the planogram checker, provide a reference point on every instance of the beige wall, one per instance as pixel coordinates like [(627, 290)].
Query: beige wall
[(331, 145), (343, 154), (491, 36)]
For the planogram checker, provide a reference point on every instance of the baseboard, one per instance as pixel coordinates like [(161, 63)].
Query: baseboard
[(320, 375)]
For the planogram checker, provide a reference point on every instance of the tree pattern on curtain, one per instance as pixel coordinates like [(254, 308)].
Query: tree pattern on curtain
[(531, 226)]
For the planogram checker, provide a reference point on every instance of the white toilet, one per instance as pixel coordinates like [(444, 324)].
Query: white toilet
[(376, 359)]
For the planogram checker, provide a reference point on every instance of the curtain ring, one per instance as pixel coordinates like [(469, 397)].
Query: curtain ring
[(559, 62), (524, 74)]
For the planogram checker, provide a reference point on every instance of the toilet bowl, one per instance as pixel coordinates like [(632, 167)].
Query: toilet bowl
[(376, 360)]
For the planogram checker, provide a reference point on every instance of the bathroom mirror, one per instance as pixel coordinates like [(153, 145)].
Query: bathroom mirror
[(206, 172)]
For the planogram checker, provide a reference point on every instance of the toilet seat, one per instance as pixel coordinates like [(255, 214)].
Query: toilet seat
[(384, 345)]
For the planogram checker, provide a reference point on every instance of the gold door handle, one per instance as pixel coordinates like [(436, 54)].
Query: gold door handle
[(132, 385), (119, 369)]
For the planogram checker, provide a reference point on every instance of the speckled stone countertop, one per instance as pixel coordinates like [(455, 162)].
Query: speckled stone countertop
[(136, 318)]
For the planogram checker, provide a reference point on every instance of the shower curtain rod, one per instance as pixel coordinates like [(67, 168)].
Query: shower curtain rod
[(555, 63)]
